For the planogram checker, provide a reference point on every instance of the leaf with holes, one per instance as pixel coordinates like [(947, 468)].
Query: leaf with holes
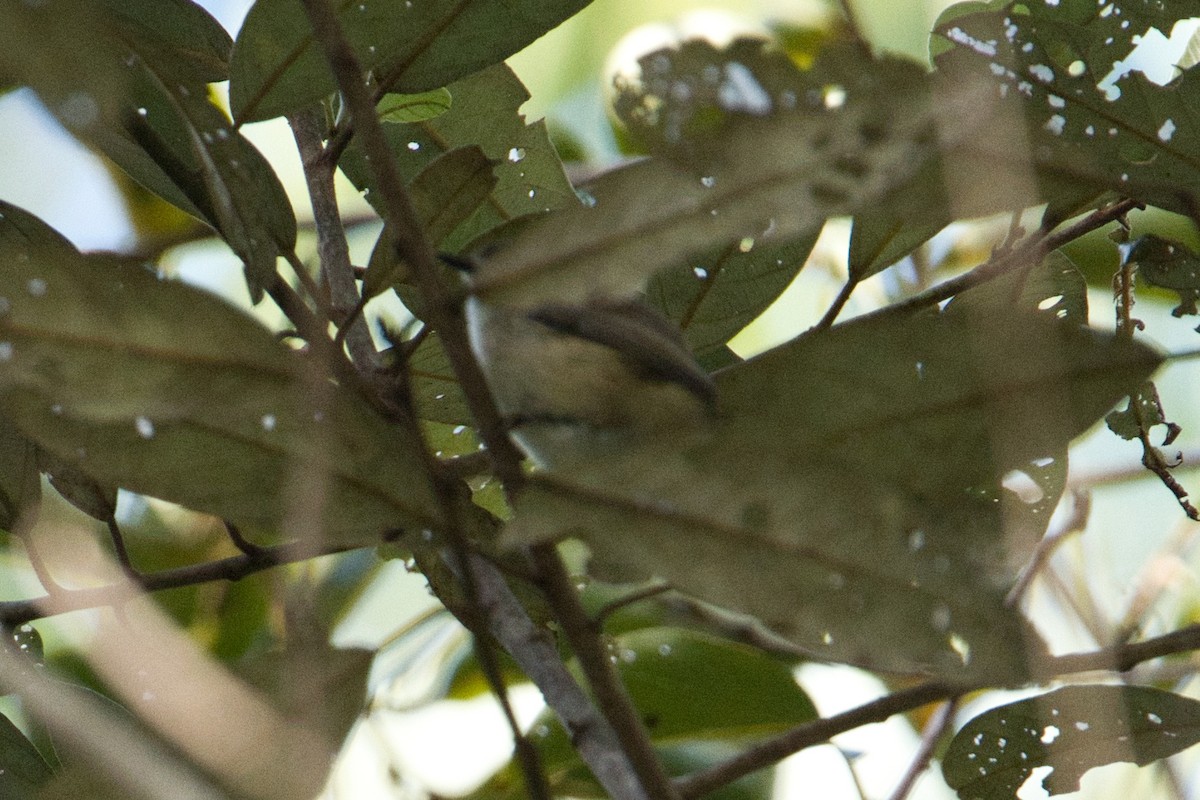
[(1070, 730), (1061, 101), (786, 171), (409, 46), (1167, 264)]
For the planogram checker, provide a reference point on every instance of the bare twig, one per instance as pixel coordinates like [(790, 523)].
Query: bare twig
[(608, 609), (119, 548), (62, 600), (772, 751), (934, 729), (835, 308), (336, 269), (587, 642), (1035, 247)]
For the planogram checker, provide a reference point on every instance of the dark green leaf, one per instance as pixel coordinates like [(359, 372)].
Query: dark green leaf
[(164, 389), (486, 113), (62, 50), (78, 488), (177, 35), (1072, 730), (713, 297), (435, 388), (22, 768), (879, 240), (444, 195), (408, 45), (20, 483)]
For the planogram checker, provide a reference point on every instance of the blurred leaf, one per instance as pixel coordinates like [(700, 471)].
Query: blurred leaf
[(408, 46), (786, 172), (60, 49), (161, 388), (1071, 730), (486, 113), (711, 298), (20, 483), (1058, 113), (1167, 264), (413, 107), (682, 98), (22, 768), (444, 195), (242, 617), (179, 36), (838, 498)]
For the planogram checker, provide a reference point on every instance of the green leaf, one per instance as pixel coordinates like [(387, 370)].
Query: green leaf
[(221, 174), (179, 36), (444, 195), (1047, 64), (78, 488), (879, 239), (409, 46), (166, 390), (1167, 264), (486, 113), (22, 768), (1072, 730), (435, 388), (414, 107), (784, 172), (713, 297), (20, 483), (62, 50), (840, 498), (692, 690)]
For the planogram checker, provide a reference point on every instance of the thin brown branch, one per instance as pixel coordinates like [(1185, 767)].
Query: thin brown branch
[(444, 313), (774, 750), (234, 568), (336, 270), (835, 308), (119, 548), (608, 609), (934, 729), (587, 642), (1036, 247)]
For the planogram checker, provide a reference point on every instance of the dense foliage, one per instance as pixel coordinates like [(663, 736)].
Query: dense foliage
[(876, 492)]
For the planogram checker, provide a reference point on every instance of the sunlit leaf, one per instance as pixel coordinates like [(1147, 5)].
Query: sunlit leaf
[(690, 689), (164, 389), (413, 107), (408, 45), (1071, 730)]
